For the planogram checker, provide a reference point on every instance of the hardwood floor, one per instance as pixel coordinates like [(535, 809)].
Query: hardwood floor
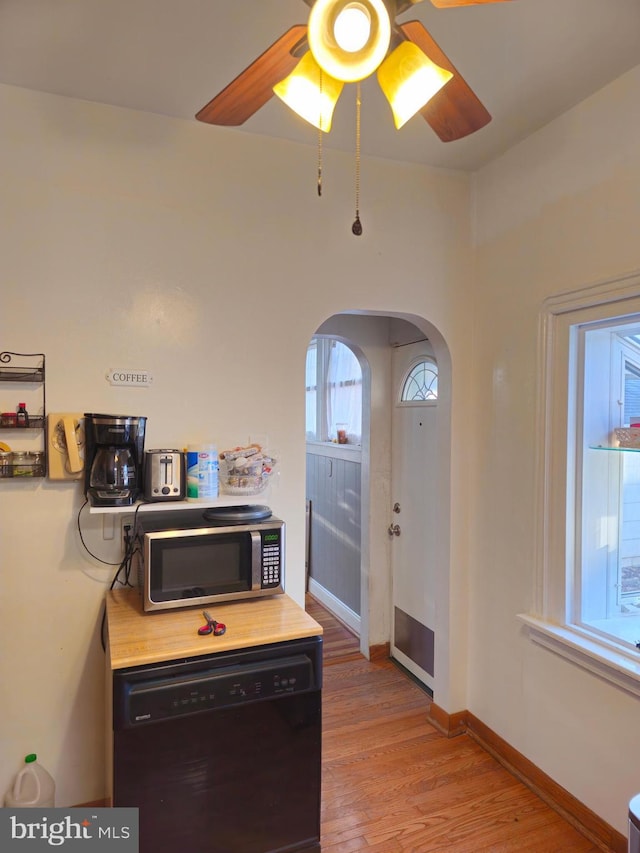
[(392, 783), (339, 643)]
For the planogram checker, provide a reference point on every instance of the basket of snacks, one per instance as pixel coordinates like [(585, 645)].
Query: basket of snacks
[(628, 436), (245, 470)]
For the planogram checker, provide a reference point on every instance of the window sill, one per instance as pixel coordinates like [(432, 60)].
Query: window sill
[(335, 451), (587, 651)]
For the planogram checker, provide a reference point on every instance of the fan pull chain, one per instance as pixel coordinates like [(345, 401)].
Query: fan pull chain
[(356, 228), (320, 139), (319, 162)]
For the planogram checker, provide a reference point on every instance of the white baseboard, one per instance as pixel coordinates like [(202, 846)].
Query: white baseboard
[(334, 605)]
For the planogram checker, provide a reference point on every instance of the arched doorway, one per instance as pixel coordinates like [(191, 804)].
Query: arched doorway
[(376, 336)]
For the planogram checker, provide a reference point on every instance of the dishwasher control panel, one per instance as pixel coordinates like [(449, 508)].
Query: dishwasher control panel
[(144, 700)]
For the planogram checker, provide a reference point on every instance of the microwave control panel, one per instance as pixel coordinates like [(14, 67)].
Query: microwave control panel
[(271, 559)]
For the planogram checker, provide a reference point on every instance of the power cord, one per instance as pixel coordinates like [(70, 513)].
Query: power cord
[(123, 573), (84, 544)]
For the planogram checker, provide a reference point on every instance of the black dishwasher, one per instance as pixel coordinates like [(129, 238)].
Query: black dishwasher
[(222, 753)]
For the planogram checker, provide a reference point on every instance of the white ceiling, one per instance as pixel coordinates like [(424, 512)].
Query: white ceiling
[(527, 60)]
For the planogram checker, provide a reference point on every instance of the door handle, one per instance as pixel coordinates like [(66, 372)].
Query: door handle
[(394, 530)]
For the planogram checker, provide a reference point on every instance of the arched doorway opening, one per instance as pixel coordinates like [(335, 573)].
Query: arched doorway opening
[(375, 337)]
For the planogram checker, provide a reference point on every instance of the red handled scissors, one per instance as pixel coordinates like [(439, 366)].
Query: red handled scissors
[(212, 627)]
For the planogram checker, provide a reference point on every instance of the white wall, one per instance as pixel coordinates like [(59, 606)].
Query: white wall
[(558, 212), (204, 256)]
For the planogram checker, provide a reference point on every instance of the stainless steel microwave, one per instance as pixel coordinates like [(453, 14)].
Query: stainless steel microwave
[(199, 557)]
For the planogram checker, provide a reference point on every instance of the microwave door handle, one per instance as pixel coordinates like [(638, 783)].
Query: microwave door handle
[(256, 560)]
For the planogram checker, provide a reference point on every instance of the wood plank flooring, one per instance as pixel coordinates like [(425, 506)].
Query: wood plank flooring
[(392, 783), (339, 643)]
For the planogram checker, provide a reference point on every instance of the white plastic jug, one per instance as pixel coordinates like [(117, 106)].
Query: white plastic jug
[(33, 787)]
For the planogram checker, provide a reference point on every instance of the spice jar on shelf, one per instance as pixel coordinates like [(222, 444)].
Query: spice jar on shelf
[(22, 416), (6, 467), (38, 463), (23, 463)]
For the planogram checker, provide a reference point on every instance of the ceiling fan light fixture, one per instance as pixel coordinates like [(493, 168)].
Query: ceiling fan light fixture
[(347, 52), (409, 79), (310, 92)]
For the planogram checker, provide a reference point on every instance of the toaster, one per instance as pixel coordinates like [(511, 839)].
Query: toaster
[(164, 475)]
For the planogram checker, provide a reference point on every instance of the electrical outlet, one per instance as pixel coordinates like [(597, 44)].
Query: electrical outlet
[(126, 520)]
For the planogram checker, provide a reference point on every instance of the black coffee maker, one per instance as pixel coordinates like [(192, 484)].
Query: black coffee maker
[(114, 453)]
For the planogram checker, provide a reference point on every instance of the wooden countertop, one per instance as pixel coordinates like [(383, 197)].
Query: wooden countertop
[(136, 638)]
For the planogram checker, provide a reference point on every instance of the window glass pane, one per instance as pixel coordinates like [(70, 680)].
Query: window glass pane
[(333, 391), (631, 393), (607, 572), (344, 392), (629, 568), (311, 392), (421, 383)]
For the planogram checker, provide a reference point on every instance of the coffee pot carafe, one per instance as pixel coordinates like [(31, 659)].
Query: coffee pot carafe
[(113, 467), (114, 459)]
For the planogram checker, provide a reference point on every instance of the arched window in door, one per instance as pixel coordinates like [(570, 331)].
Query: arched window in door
[(421, 382)]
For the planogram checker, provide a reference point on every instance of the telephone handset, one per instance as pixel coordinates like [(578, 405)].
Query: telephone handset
[(65, 445)]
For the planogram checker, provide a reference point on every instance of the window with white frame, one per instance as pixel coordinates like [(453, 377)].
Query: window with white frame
[(607, 571), (421, 382), (333, 391), (588, 590)]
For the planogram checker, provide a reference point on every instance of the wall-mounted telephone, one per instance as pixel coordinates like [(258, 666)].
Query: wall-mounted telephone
[(65, 445)]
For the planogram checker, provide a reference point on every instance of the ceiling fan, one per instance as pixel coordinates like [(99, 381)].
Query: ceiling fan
[(391, 48)]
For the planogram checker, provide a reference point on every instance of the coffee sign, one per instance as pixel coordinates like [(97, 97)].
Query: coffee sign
[(129, 377)]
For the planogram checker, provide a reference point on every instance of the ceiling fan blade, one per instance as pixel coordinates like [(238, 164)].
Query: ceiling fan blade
[(403, 5), (449, 4), (253, 87), (455, 111)]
